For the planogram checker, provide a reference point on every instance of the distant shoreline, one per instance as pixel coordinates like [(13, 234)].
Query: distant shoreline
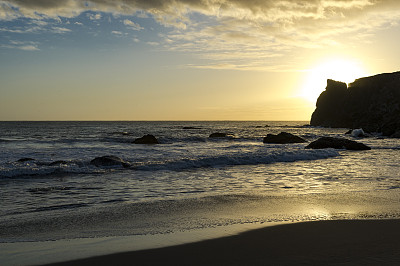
[(348, 242)]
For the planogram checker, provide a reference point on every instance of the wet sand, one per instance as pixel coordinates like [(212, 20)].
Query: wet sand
[(343, 242)]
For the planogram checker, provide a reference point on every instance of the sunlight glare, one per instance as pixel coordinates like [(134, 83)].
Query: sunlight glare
[(337, 69)]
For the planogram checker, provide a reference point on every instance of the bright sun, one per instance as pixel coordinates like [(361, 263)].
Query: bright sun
[(337, 69)]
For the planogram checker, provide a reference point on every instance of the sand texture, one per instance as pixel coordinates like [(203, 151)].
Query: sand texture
[(345, 242)]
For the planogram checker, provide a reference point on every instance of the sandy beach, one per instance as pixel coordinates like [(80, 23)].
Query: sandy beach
[(343, 242)]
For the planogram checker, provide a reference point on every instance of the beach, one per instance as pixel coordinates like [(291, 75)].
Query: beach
[(341, 242)]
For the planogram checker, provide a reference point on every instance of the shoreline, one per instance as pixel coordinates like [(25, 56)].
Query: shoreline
[(347, 242)]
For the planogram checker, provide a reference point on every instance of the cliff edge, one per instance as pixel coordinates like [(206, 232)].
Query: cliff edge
[(371, 103)]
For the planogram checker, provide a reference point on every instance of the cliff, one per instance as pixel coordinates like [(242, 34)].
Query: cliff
[(371, 103)]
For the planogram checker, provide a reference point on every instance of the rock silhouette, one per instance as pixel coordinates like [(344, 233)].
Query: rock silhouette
[(218, 135), (146, 139), (371, 103), (283, 138), (337, 143)]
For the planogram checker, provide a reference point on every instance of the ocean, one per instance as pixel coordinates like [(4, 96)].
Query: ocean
[(187, 182)]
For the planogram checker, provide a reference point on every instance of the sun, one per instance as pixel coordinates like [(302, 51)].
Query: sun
[(337, 69)]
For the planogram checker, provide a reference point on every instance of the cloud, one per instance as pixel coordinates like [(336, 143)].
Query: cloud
[(25, 46), (35, 29), (59, 30), (94, 16), (132, 25), (228, 31), (153, 43), (7, 12), (28, 48)]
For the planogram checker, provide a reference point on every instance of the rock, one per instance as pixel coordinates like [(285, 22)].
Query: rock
[(283, 138), (349, 132), (337, 143), (358, 133), (109, 160), (218, 135), (146, 139), (371, 103), (187, 128), (22, 160)]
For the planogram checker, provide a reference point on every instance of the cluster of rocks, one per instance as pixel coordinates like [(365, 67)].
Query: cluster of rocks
[(321, 143), (103, 161), (371, 103), (281, 138)]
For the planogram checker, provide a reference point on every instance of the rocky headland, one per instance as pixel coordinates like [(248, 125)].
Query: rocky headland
[(371, 103)]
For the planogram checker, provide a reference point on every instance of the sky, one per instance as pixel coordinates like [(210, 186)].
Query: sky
[(187, 59)]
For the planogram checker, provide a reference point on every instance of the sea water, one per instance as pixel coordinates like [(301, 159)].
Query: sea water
[(187, 182)]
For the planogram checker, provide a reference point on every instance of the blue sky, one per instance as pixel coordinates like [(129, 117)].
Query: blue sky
[(184, 59)]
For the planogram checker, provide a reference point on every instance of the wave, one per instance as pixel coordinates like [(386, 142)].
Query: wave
[(40, 169), (34, 169), (241, 159)]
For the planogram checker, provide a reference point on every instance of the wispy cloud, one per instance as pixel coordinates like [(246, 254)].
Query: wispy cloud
[(35, 29), (132, 25), (228, 31), (59, 30), (26, 46), (153, 43)]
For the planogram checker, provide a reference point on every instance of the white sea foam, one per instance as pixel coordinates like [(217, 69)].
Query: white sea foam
[(242, 158), (259, 156)]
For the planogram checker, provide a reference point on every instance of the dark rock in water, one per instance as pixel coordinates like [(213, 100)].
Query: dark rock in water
[(218, 135), (283, 138), (348, 132), (22, 160), (186, 128), (337, 143), (109, 160), (358, 133), (146, 139), (58, 163), (371, 103)]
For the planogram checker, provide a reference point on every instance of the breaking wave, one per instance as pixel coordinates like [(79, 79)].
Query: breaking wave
[(33, 169)]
